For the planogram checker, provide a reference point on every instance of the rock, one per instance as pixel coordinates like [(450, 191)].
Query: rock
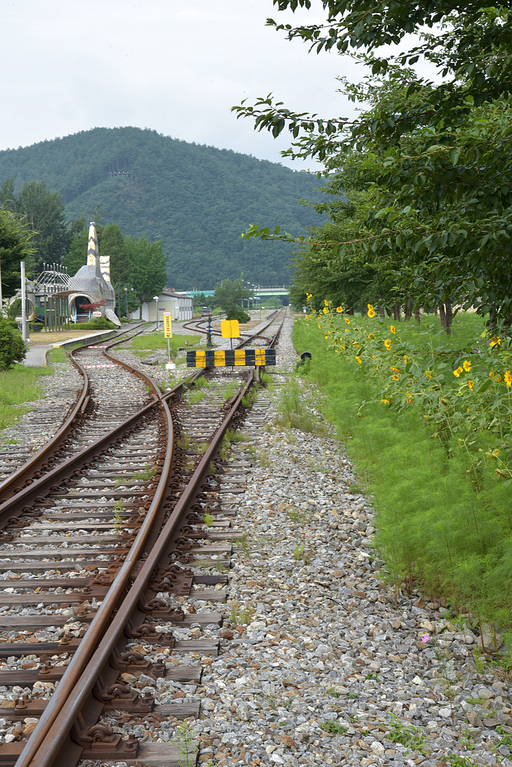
[(288, 741), (474, 719), (489, 639)]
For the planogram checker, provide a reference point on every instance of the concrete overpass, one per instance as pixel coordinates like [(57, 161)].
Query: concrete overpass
[(265, 292)]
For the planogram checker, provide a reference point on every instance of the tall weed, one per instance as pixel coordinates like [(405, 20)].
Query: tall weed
[(293, 412)]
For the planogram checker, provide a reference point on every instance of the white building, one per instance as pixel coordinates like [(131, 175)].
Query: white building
[(178, 304)]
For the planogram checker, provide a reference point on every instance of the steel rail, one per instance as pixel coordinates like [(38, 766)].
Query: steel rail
[(48, 739), (275, 338), (102, 619), (149, 381), (271, 318), (33, 467)]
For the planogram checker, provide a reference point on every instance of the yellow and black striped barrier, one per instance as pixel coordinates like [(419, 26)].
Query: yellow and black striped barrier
[(214, 358)]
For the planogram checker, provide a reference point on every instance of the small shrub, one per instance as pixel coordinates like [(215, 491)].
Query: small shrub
[(238, 314), (241, 615), (250, 398), (12, 347), (195, 396), (184, 441), (145, 474), (294, 414), (407, 735)]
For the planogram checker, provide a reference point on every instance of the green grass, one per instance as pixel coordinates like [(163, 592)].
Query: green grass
[(57, 355), (18, 385), (434, 523), (195, 396), (151, 342)]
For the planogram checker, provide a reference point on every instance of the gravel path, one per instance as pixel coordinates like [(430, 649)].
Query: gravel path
[(329, 671)]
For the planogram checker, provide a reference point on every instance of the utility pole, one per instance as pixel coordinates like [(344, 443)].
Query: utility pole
[(24, 328)]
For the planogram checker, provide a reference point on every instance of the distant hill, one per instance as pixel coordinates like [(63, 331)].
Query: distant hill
[(196, 199)]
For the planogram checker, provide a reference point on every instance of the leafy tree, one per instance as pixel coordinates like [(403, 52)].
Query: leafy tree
[(200, 300), (435, 157), (471, 47), (15, 246), (229, 295), (327, 269), (44, 215), (147, 268)]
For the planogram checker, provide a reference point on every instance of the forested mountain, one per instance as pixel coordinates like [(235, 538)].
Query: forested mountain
[(196, 199)]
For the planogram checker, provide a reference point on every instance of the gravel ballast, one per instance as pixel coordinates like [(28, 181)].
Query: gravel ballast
[(329, 670)]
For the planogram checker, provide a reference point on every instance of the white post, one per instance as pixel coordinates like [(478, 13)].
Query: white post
[(24, 327)]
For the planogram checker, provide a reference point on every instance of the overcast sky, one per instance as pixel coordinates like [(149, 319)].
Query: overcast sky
[(176, 66)]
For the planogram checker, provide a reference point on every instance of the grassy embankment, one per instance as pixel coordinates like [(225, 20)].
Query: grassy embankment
[(427, 420), (149, 343), (17, 386)]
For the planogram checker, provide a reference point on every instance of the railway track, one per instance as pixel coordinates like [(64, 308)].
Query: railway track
[(97, 557), (78, 422), (267, 333), (56, 412)]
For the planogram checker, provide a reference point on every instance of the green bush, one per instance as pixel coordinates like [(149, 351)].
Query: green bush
[(100, 323), (12, 347), (238, 314)]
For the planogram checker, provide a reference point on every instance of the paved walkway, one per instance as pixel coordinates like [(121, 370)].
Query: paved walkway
[(36, 353)]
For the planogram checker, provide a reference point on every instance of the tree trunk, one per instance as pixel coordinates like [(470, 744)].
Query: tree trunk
[(408, 310), (446, 315), (449, 316), (396, 312)]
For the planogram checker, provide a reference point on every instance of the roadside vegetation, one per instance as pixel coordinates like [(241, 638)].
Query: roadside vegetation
[(427, 420), (151, 342), (18, 385)]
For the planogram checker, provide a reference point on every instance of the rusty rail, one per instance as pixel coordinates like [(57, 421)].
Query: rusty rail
[(50, 744)]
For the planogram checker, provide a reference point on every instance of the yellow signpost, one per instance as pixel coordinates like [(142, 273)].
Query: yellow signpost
[(230, 329), (168, 335), (167, 325)]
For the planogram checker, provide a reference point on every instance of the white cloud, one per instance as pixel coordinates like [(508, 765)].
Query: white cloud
[(176, 66)]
